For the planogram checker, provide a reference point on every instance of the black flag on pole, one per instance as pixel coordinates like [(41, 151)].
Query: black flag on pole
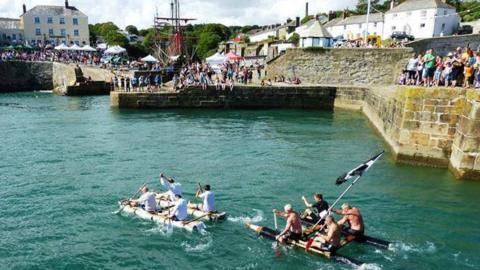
[(358, 171)]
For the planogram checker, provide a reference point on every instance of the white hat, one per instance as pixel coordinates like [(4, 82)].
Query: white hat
[(287, 207)]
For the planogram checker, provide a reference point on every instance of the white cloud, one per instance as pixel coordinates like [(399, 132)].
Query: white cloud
[(141, 12)]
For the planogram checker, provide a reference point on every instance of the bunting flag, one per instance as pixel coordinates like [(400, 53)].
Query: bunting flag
[(358, 171)]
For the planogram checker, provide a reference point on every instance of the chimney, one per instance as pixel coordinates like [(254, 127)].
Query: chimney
[(392, 4), (24, 9), (306, 9), (297, 22), (66, 3), (331, 15)]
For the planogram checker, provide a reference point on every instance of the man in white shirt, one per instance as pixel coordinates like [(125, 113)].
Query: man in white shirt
[(146, 201), (179, 211), (208, 197), (172, 187)]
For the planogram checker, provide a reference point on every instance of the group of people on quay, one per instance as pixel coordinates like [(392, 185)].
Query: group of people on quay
[(328, 232), (178, 210), (149, 82), (458, 68), (76, 57)]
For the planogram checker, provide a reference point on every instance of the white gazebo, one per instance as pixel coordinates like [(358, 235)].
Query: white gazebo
[(150, 59), (315, 36), (115, 50), (62, 47), (75, 47), (88, 48)]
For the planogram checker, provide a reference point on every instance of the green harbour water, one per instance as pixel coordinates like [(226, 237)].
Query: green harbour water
[(65, 162)]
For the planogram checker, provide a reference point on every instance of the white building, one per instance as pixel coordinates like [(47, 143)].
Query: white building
[(315, 36), (55, 25), (11, 31), (422, 19), (355, 27), (263, 34)]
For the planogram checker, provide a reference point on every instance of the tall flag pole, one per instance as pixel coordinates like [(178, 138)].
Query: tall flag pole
[(356, 173)]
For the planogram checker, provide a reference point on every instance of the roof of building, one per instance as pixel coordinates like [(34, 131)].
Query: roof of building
[(55, 11), (420, 4), (316, 30), (9, 23), (332, 22), (357, 19)]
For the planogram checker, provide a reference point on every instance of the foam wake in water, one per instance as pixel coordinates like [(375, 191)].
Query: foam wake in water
[(369, 266), (161, 229), (258, 217), (428, 247), (197, 247)]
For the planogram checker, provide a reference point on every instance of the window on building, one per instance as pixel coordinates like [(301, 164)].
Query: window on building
[(394, 28), (316, 42), (32, 41), (443, 27), (423, 13), (37, 20), (14, 36), (63, 32), (76, 33), (422, 25), (4, 36), (395, 15), (62, 20), (75, 21), (77, 42), (445, 12), (20, 37), (409, 13), (38, 32), (359, 25), (344, 27), (49, 20), (50, 32), (374, 24)]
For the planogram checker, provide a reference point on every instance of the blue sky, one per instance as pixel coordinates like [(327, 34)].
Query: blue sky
[(141, 12)]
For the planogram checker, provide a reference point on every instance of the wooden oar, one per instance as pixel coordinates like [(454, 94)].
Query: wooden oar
[(134, 195), (197, 219)]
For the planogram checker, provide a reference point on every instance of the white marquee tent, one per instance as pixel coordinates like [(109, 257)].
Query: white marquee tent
[(150, 59)]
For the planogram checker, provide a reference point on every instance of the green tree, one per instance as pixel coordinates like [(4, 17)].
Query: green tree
[(295, 38), (362, 6), (116, 38), (306, 19), (207, 43), (132, 29)]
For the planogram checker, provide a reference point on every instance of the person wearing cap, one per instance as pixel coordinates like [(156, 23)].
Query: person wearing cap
[(293, 229), (147, 201), (352, 218), (330, 241), (172, 187), (179, 211), (319, 207), (208, 197)]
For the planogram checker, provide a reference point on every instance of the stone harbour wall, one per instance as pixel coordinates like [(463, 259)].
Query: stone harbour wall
[(338, 66), (64, 78), (418, 123), (444, 45), (244, 97), (18, 76)]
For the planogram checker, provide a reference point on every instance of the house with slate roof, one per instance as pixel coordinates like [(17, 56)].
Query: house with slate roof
[(422, 19), (54, 25)]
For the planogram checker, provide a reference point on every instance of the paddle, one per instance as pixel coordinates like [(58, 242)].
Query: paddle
[(197, 219), (134, 195)]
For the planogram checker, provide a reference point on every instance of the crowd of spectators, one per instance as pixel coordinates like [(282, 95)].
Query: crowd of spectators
[(458, 68), (76, 57)]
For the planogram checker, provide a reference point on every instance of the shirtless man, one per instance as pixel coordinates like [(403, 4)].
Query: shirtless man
[(329, 241), (293, 228), (353, 218)]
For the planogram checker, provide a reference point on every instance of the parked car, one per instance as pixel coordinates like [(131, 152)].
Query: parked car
[(402, 36), (465, 30)]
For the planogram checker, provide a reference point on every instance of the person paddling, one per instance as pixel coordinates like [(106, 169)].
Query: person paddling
[(320, 208), (147, 201), (172, 187), (330, 241), (352, 218), (293, 228), (208, 197), (179, 211)]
